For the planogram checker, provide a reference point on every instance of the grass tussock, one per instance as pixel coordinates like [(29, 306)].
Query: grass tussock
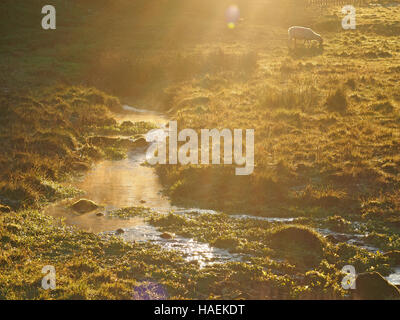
[(337, 101)]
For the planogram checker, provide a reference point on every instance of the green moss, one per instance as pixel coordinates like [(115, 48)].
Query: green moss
[(299, 244)]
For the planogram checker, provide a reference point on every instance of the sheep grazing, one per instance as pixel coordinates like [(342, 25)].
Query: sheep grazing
[(302, 33)]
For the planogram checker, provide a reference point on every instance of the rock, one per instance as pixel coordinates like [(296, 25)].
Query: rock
[(298, 236), (4, 208), (298, 244), (372, 286), (167, 235), (100, 214), (84, 206), (394, 257), (226, 242), (140, 143), (120, 231)]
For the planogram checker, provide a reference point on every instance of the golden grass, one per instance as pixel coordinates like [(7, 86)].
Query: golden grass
[(327, 141)]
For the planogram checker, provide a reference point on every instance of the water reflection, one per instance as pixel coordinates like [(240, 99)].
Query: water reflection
[(116, 184), (136, 115), (189, 249)]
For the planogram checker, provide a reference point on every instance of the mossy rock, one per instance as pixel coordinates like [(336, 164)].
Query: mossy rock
[(226, 242), (84, 206), (298, 236), (140, 143), (372, 286), (300, 245)]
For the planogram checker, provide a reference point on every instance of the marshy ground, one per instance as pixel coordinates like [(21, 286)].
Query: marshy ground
[(324, 192)]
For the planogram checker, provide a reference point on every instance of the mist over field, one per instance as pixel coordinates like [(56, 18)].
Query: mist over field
[(199, 149)]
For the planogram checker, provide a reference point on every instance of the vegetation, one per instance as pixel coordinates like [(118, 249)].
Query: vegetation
[(326, 145), (47, 136)]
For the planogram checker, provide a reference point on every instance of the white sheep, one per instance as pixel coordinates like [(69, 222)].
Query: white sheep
[(302, 33)]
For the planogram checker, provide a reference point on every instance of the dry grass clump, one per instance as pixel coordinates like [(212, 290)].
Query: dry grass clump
[(337, 101)]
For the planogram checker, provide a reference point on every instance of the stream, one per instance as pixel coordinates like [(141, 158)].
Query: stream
[(127, 183)]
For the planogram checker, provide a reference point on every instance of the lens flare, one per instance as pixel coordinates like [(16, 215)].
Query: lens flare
[(148, 290), (232, 15)]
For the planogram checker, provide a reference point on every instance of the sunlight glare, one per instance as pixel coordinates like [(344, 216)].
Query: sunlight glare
[(232, 15)]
